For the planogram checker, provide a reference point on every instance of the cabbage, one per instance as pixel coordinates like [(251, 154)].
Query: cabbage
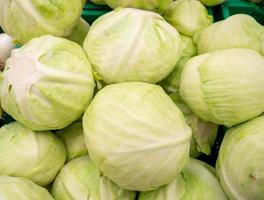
[(100, 2), (142, 141), (240, 162), (188, 16), (47, 84), (237, 31), (195, 182), (224, 87), (37, 156), (81, 180), (26, 19), (212, 2), (172, 82), (6, 46), (80, 32), (73, 138), (132, 45), (203, 133), (12, 188), (153, 5)]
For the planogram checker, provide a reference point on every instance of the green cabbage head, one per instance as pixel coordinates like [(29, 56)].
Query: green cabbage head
[(153, 5), (14, 188), (26, 19), (37, 156), (240, 162), (212, 2), (224, 87), (47, 84), (203, 133), (188, 16), (73, 139), (132, 45), (237, 31), (136, 135), (196, 181), (79, 32), (171, 83), (79, 179), (100, 2)]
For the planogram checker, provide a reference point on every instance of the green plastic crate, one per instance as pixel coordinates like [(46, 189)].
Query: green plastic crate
[(232, 7), (92, 11)]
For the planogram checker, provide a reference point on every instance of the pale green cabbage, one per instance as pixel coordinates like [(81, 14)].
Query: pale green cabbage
[(224, 87), (237, 31), (196, 182), (100, 2), (188, 16), (47, 84), (15, 188), (79, 32), (37, 156), (212, 2), (240, 162), (172, 82), (26, 19), (73, 139), (153, 5), (203, 133), (132, 45), (6, 46), (136, 135), (81, 180)]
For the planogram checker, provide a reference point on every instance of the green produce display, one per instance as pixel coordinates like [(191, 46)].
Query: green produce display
[(13, 187), (243, 149), (25, 19), (131, 100), (37, 156), (129, 141), (197, 181), (80, 179), (47, 84), (224, 87), (132, 45)]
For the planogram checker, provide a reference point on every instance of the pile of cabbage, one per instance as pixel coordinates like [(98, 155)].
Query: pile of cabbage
[(131, 107)]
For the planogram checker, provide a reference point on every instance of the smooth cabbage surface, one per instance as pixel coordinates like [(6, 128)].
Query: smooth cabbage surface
[(132, 45), (212, 2), (12, 188), (27, 19), (153, 5), (79, 179), (237, 31), (188, 16), (142, 136), (37, 156), (79, 32), (196, 182), (240, 161), (73, 138), (47, 84), (224, 87)]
